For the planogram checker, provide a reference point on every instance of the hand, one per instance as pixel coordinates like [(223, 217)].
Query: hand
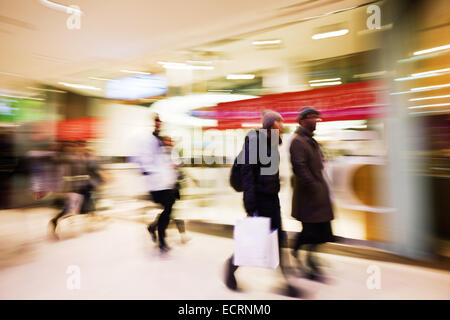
[(39, 195), (254, 214)]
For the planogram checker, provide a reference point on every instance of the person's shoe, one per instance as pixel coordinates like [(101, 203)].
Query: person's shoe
[(185, 239), (316, 276), (52, 225), (295, 254), (230, 279), (164, 249), (151, 230), (292, 292)]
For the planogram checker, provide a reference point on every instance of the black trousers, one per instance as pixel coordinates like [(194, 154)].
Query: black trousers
[(166, 198), (268, 205), (88, 203)]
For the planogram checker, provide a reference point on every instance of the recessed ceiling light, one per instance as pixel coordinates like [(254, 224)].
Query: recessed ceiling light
[(325, 84), (100, 79), (60, 7), (266, 42), (240, 76), (331, 34), (324, 80), (430, 105), (79, 86), (430, 98), (440, 48)]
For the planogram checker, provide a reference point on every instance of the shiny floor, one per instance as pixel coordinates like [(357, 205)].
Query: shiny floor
[(107, 258)]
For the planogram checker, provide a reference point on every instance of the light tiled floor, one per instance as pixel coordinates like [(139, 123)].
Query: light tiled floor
[(117, 260)]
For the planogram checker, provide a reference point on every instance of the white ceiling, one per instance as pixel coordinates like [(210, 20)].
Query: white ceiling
[(36, 44)]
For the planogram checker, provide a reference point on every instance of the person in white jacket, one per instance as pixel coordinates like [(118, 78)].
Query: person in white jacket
[(161, 178)]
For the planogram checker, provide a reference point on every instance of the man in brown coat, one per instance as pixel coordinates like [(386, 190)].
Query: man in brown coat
[(311, 203)]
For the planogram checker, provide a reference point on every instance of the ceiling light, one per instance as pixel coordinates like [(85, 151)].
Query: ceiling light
[(266, 42), (426, 74), (397, 93), (137, 72), (430, 98), (417, 77), (79, 86), (430, 72), (430, 105), (439, 86), (433, 111), (60, 7), (445, 47), (324, 80), (101, 79), (325, 84), (330, 34), (240, 76)]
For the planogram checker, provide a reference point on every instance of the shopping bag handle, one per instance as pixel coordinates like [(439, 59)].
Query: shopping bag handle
[(254, 214)]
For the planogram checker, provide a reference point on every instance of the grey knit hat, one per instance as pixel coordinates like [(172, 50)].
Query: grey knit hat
[(269, 117)]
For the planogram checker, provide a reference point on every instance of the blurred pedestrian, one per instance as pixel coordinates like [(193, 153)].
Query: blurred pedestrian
[(72, 173), (161, 179), (311, 203), (95, 179), (172, 152), (261, 188)]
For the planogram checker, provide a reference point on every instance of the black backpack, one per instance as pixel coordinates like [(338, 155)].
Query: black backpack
[(236, 175)]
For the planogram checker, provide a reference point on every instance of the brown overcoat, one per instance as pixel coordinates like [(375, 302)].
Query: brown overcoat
[(311, 198)]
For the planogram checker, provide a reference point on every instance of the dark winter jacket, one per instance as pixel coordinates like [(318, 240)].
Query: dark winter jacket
[(311, 198), (256, 182)]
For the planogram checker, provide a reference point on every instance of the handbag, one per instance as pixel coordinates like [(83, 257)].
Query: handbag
[(255, 244)]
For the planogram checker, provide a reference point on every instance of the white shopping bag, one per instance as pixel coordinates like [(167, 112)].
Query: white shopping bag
[(255, 244)]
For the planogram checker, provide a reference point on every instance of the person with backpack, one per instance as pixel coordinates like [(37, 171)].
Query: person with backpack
[(259, 181)]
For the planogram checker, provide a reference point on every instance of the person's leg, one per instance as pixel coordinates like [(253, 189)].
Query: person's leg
[(86, 204), (155, 195), (273, 204), (167, 200), (72, 205), (180, 226), (230, 269), (311, 261), (54, 221)]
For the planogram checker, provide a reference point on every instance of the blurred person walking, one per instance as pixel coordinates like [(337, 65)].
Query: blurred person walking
[(95, 179), (261, 189), (173, 153), (72, 173), (311, 203), (161, 179)]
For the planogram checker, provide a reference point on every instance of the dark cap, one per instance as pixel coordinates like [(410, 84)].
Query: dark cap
[(307, 111)]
